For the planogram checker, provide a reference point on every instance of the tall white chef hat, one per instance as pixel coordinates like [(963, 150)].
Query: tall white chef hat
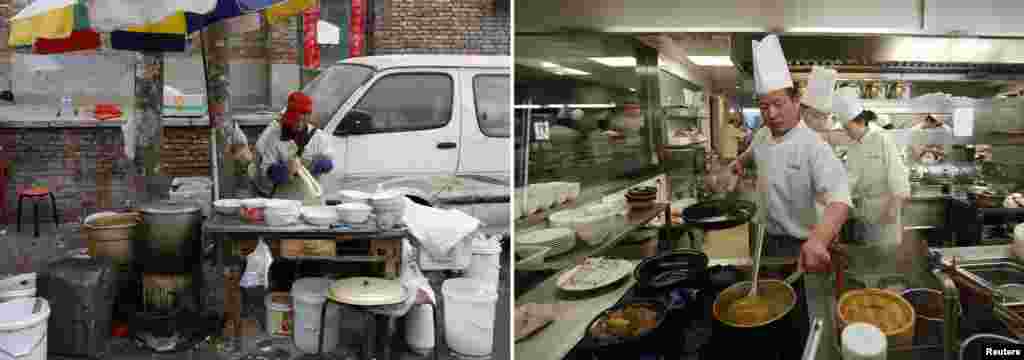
[(770, 69), (820, 86), (846, 105)]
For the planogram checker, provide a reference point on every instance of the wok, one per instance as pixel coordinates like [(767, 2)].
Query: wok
[(719, 214), (624, 346)]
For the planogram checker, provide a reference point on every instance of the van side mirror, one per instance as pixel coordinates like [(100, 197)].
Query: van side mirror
[(355, 122)]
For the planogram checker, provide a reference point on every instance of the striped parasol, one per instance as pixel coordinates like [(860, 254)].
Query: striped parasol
[(60, 26)]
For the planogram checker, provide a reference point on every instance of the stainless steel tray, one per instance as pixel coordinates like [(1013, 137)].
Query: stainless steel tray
[(991, 275)]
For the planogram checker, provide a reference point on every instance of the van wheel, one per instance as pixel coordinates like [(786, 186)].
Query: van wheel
[(418, 200)]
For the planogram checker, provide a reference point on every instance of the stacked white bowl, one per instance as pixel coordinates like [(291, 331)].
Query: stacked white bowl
[(354, 212), (353, 196), (388, 207), (320, 215), (227, 207), (281, 212)]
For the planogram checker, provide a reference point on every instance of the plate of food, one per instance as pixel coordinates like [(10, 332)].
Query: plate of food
[(595, 273)]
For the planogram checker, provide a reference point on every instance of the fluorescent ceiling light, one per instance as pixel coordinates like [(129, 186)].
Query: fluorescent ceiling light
[(711, 60), (632, 89), (569, 71), (828, 30), (621, 61), (546, 64), (586, 106), (641, 29), (751, 110), (573, 106)]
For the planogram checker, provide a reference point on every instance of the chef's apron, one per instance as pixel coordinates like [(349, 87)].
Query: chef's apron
[(875, 245)]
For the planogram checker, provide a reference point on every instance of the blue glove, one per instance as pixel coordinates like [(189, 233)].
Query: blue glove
[(278, 173), (322, 166)]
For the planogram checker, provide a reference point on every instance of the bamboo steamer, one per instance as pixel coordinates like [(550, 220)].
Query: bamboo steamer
[(889, 311), (110, 235)]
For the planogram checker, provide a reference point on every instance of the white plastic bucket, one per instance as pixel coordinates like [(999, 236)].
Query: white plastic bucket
[(18, 286), (23, 329), (279, 315), (469, 309), (419, 329), (485, 265), (308, 297)]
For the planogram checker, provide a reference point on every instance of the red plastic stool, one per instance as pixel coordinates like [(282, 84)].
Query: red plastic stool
[(35, 194)]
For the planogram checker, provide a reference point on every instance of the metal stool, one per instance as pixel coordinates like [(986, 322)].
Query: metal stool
[(35, 194)]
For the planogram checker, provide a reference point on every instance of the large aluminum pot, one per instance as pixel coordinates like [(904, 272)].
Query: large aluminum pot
[(166, 239)]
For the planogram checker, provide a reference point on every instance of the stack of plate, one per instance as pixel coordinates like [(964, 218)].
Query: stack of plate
[(641, 198), (560, 240), (282, 212), (591, 226), (227, 207), (352, 196), (320, 215), (388, 207), (354, 213)]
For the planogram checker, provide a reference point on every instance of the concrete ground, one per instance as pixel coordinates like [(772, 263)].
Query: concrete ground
[(54, 242)]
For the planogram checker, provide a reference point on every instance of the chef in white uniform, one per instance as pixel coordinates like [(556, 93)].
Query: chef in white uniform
[(794, 166), (879, 182)]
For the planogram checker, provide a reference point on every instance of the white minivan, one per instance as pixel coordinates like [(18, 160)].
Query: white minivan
[(436, 127)]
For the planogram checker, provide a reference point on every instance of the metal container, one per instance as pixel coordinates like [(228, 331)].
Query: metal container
[(166, 238), (81, 293)]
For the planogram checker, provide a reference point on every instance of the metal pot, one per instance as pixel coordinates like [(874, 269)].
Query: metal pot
[(758, 338), (166, 238)]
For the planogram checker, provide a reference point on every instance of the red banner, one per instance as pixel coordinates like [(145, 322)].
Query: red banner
[(356, 28), (310, 48)]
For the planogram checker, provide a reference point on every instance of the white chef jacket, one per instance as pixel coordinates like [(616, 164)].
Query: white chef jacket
[(794, 169), (270, 150), (765, 134), (877, 171)]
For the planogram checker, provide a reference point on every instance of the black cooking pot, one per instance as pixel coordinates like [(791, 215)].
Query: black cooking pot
[(680, 268), (624, 347), (703, 214)]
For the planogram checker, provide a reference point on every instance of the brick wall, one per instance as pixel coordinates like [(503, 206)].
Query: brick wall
[(441, 26)]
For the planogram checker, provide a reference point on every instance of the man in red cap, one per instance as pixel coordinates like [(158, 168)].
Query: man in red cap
[(290, 142)]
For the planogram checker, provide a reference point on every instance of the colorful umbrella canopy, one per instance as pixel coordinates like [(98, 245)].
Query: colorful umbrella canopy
[(57, 26)]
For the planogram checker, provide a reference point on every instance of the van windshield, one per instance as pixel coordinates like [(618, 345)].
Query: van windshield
[(334, 85)]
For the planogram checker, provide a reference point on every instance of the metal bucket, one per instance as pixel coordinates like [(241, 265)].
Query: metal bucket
[(166, 238)]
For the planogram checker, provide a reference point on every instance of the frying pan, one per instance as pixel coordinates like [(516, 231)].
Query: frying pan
[(625, 344), (683, 267), (703, 214)]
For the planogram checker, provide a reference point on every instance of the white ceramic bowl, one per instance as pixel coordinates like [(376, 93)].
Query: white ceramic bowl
[(320, 215), (254, 203), (354, 213), (227, 206), (274, 219), (353, 196)]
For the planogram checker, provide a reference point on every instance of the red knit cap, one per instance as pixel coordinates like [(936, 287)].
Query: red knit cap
[(300, 103), (291, 118)]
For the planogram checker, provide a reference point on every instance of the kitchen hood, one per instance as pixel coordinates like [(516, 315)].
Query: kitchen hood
[(968, 57)]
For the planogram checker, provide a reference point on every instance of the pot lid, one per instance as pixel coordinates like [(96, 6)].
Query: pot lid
[(168, 207), (367, 291)]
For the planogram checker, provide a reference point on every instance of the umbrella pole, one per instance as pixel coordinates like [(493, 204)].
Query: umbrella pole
[(214, 166)]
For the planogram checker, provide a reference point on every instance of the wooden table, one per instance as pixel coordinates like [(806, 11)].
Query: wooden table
[(385, 246)]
